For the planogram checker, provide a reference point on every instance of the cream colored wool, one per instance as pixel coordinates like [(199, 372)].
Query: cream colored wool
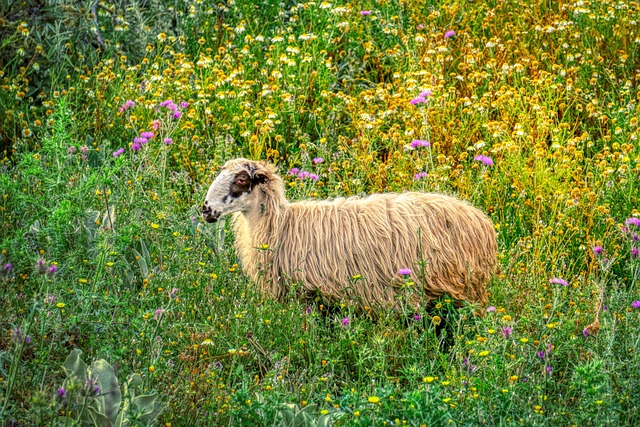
[(321, 245)]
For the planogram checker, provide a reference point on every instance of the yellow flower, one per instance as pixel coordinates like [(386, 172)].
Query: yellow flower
[(152, 369), (264, 246), (155, 226), (356, 277), (207, 341), (483, 353), (524, 340), (356, 414), (436, 320), (373, 399), (61, 305), (428, 379)]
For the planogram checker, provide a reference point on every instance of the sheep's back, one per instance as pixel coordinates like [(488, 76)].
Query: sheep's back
[(325, 244)]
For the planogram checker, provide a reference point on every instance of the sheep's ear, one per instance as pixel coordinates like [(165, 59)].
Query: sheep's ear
[(259, 177)]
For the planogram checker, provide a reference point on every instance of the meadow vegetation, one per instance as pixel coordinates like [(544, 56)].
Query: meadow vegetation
[(115, 116)]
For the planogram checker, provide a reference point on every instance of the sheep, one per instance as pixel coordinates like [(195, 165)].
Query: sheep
[(352, 249)]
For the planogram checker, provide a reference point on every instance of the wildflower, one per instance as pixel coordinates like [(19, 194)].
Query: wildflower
[(373, 399), (128, 104), (52, 271), (420, 143), (71, 150), (635, 304), (155, 125), (365, 12), (41, 268), (27, 339), (506, 332), (158, 314), (168, 141), (176, 114), (184, 104), (62, 392), (585, 332), (314, 177), (491, 309), (294, 171), (147, 135), (632, 221), (436, 320), (418, 100), (317, 160), (558, 281), (634, 252), (597, 250), (345, 321), (140, 140), (118, 152), (173, 292), (404, 271), (484, 159), (419, 175), (449, 34), (416, 317), (61, 305), (136, 146), (308, 310), (549, 368), (541, 354)]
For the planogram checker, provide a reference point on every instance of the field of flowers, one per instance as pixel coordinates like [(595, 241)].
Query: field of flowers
[(114, 117)]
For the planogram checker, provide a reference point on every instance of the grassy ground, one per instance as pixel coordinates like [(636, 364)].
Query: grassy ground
[(531, 114)]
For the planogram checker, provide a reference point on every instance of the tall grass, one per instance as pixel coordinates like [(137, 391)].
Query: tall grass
[(103, 249)]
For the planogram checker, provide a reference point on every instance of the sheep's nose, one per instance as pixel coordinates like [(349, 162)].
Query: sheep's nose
[(209, 215)]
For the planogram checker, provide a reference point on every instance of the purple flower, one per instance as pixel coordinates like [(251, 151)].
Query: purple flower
[(506, 332), (308, 310), (71, 150), (345, 321), (634, 252), (549, 368), (136, 146), (317, 160), (166, 103), (62, 392), (449, 34), (303, 174), (418, 100), (8, 266), (27, 339), (365, 12), (416, 317), (419, 175), (177, 114), (84, 149), (558, 281), (184, 104), (635, 304), (128, 104), (294, 171), (147, 135), (541, 354), (585, 332), (314, 177), (52, 270), (118, 152), (41, 267), (140, 140), (425, 93), (404, 271), (173, 292), (420, 143), (158, 314), (168, 141), (632, 221), (597, 250), (491, 309), (484, 159)]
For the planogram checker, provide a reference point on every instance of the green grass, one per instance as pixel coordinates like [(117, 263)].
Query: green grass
[(547, 91)]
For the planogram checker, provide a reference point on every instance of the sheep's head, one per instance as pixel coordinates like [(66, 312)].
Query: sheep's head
[(235, 188)]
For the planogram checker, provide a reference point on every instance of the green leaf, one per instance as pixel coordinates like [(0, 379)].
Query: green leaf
[(73, 365), (110, 397)]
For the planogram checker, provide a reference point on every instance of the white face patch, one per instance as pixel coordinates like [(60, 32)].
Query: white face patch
[(229, 192)]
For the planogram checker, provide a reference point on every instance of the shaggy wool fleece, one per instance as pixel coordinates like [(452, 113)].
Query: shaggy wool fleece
[(322, 245)]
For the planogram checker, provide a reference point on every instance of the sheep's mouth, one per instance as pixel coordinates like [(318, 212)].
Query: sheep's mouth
[(209, 214), (210, 219)]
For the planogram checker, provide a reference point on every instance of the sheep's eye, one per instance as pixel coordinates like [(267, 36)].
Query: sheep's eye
[(241, 181)]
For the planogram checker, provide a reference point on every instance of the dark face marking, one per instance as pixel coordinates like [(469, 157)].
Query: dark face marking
[(241, 184)]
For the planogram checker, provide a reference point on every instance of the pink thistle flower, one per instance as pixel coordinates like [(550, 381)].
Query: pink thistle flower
[(345, 321), (168, 141), (449, 34), (155, 125), (128, 104), (294, 171), (484, 159), (317, 160), (184, 104), (419, 175), (558, 281), (118, 152), (420, 143), (491, 309), (632, 221), (147, 135), (635, 304), (365, 12), (404, 271), (597, 250)]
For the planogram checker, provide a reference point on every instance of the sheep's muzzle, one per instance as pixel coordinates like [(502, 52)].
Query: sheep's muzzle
[(209, 215)]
